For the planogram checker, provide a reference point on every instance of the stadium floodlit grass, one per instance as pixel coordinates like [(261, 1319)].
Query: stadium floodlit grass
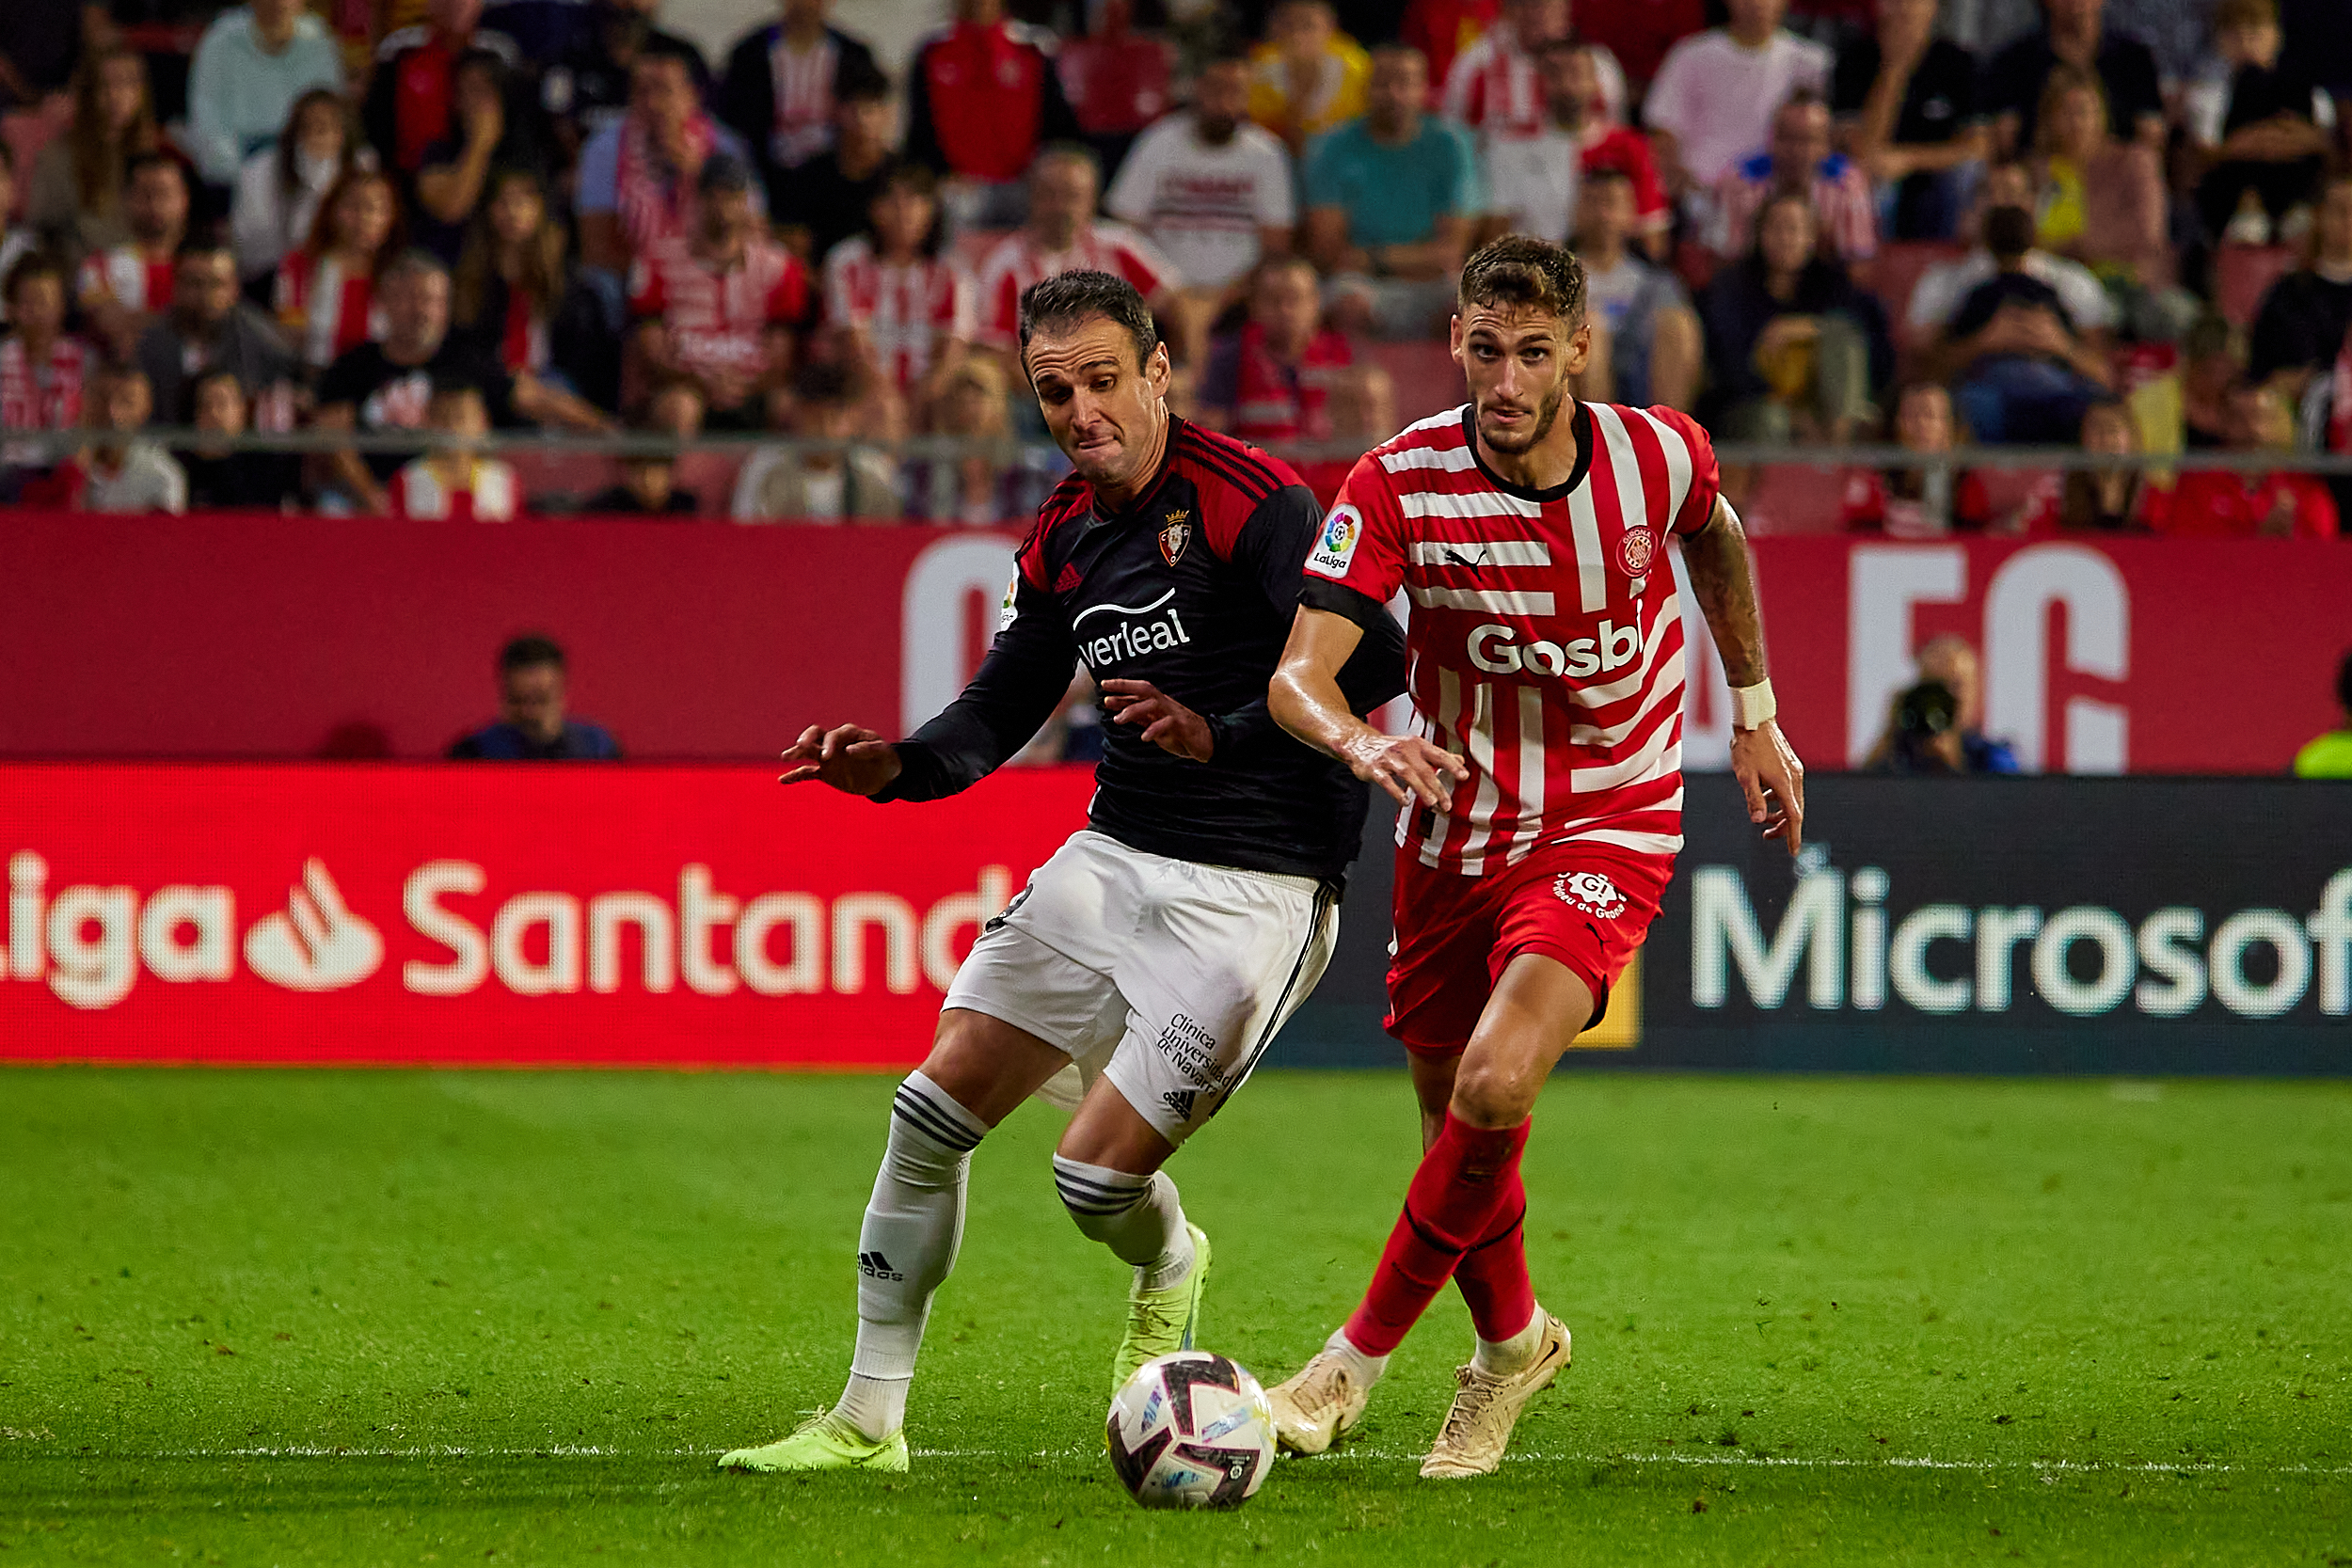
[(313, 1317)]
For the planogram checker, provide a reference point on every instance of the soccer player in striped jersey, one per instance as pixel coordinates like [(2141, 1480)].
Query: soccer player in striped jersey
[(1542, 801)]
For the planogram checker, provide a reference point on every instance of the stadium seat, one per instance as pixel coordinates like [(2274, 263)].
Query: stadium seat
[(1901, 266), (2242, 274), (1427, 380)]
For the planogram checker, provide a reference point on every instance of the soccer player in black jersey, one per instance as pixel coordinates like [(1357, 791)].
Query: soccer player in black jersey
[(1154, 957)]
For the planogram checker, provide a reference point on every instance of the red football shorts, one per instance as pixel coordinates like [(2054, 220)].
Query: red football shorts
[(1588, 905)]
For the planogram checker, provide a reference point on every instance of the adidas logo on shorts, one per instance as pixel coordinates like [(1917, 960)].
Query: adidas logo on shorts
[(1179, 1101), (875, 1266)]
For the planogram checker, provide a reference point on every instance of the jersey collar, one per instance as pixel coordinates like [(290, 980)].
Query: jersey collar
[(1580, 424)]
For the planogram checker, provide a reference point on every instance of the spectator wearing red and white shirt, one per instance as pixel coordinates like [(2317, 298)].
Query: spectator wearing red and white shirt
[(908, 313), (1923, 503), (1273, 380), (983, 98), (1063, 235), (124, 287), (43, 368), (1494, 87), (325, 291), (412, 92), (1532, 181), (1799, 162), (453, 485), (778, 90), (724, 313), (1441, 29)]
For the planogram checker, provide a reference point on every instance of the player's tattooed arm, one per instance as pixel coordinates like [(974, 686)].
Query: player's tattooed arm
[(1305, 700), (1716, 557), (1724, 579)]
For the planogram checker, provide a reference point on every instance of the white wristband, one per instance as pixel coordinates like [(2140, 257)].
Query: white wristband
[(1751, 704)]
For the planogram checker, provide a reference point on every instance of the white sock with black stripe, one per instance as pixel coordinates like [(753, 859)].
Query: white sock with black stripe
[(1138, 1217), (913, 1224)]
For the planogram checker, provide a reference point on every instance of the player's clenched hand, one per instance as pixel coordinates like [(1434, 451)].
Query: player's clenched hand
[(1772, 778), (854, 761), (1407, 766), (1166, 722)]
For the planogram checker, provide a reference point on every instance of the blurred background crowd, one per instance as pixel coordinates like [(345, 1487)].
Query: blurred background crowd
[(2120, 224)]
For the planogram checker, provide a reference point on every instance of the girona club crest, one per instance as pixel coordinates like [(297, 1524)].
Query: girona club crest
[(1591, 892), (1175, 537), (1635, 551)]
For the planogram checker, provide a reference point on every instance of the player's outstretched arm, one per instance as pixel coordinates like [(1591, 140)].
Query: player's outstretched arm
[(852, 760), (1305, 700), (1724, 579)]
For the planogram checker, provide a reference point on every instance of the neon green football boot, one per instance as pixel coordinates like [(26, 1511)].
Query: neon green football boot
[(1161, 1322), (824, 1443)]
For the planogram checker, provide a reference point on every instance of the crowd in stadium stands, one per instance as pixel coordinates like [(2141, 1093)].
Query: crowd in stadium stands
[(2120, 224)]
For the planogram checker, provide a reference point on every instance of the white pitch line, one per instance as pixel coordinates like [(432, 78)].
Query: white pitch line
[(1741, 1461)]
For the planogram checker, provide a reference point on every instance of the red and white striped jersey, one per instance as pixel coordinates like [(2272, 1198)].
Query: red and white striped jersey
[(486, 496), (1545, 640), (324, 308), (47, 396), (903, 311), (803, 79), (719, 319), (126, 276), (1103, 246), (1496, 89)]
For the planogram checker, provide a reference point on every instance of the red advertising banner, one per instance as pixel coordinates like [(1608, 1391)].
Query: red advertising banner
[(489, 914), (277, 638)]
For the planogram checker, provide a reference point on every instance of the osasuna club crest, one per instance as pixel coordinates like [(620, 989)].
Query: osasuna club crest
[(1176, 535)]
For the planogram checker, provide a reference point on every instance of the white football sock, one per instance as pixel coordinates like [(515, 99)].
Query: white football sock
[(1365, 1369), (913, 1223), (1138, 1217), (1501, 1357)]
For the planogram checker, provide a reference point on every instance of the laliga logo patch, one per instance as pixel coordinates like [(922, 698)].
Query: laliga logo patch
[(1336, 547), (1635, 551), (1175, 537), (1591, 892)]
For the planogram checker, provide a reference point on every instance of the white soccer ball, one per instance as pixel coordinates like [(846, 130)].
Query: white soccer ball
[(1192, 1429)]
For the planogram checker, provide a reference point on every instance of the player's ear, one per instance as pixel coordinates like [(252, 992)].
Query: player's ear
[(1579, 352), (1454, 340), (1158, 369)]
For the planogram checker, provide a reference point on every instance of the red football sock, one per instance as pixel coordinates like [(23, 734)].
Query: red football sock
[(1492, 1274), (1456, 1198)]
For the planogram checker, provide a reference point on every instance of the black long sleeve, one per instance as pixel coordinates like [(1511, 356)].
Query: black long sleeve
[(1014, 691)]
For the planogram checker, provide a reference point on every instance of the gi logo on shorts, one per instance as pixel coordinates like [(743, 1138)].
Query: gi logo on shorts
[(1636, 550), (1175, 537), (1335, 545), (1591, 892)]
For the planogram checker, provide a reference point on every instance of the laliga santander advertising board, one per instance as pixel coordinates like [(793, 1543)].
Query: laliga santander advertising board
[(484, 914)]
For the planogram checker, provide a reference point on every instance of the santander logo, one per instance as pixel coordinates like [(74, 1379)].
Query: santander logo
[(317, 943)]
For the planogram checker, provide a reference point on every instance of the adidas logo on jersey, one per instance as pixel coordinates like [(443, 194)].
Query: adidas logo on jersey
[(1179, 1101), (1493, 649), (873, 1265)]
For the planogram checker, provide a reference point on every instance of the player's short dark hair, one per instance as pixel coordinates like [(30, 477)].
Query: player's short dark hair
[(1521, 272), (1071, 300), (530, 651)]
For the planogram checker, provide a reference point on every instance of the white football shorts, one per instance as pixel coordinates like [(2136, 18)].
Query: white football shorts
[(1167, 977)]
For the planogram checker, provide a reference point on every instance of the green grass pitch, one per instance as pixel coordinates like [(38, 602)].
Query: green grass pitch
[(296, 1317)]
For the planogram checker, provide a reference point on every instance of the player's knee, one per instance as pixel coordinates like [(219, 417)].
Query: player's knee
[(1494, 1094)]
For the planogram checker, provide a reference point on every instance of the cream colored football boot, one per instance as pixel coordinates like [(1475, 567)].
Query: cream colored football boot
[(1315, 1405), (1485, 1407)]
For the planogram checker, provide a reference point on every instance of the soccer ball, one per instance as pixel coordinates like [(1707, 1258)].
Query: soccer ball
[(1191, 1430)]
